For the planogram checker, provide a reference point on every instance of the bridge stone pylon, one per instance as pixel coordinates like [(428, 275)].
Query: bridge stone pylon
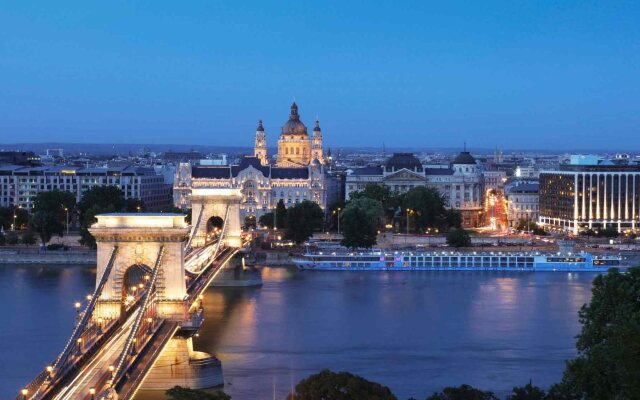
[(138, 238), (207, 203)]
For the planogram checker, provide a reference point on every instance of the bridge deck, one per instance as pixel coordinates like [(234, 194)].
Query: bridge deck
[(138, 371)]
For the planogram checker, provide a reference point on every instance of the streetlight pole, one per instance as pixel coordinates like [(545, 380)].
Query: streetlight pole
[(338, 220), (66, 209), (408, 211)]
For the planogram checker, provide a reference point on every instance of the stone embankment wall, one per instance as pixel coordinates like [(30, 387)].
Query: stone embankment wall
[(35, 256)]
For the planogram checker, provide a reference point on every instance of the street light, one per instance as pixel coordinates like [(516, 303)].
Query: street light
[(67, 211), (24, 393), (408, 211), (337, 212), (92, 392)]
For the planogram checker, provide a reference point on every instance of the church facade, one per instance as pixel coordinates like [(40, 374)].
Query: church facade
[(297, 175)]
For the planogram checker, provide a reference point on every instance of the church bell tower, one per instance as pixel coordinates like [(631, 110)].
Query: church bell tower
[(260, 147)]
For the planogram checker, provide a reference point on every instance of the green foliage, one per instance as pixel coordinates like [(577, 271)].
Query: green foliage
[(250, 221), (328, 385), (281, 215), (527, 392), (458, 237), (180, 393), (3, 239), (98, 200), (609, 232), (608, 361), (134, 205), (427, 210), (45, 225), (12, 238), (390, 201), (530, 226), (28, 238), (103, 197), (50, 213), (464, 392), (302, 220), (266, 220), (360, 221)]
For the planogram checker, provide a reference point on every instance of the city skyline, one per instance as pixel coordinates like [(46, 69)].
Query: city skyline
[(424, 75)]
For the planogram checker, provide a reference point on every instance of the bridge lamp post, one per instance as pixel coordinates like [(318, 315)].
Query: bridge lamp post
[(24, 393), (77, 305), (112, 369), (149, 322), (50, 371), (133, 346), (92, 392)]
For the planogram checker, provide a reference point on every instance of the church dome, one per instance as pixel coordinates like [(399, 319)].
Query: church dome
[(464, 157), (294, 126)]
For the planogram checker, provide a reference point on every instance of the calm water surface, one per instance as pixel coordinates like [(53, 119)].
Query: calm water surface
[(413, 331)]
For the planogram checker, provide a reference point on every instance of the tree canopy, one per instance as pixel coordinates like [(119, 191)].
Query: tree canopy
[(458, 237), (463, 392), (427, 209), (360, 220), (303, 219), (50, 210), (608, 361), (98, 200), (180, 393), (328, 385)]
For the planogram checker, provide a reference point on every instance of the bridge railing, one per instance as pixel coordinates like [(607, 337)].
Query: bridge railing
[(82, 333), (193, 231), (145, 315)]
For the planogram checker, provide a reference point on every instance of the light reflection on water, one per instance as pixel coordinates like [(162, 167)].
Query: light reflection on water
[(413, 331)]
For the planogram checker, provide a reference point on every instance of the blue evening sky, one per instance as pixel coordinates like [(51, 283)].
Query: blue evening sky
[(514, 74)]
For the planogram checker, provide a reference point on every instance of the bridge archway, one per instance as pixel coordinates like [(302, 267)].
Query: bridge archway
[(216, 202), (139, 239)]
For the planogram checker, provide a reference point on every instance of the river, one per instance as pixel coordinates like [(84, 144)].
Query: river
[(415, 332)]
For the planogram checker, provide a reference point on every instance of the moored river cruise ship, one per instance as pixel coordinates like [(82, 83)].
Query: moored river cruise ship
[(378, 260)]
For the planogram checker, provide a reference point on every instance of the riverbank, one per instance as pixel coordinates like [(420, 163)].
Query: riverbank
[(37, 256)]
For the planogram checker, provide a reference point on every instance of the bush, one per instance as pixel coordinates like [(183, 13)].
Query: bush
[(57, 246), (3, 239), (458, 238), (29, 238), (12, 239)]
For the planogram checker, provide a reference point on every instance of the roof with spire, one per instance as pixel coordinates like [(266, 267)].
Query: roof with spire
[(317, 127), (260, 127)]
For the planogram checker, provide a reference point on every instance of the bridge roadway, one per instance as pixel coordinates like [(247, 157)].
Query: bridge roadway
[(95, 374)]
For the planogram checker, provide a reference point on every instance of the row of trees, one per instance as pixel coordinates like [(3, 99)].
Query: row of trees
[(421, 209), (368, 211), (53, 212)]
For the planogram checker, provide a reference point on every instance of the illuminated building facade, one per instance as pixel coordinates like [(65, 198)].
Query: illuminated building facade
[(20, 185), (591, 194), (263, 186)]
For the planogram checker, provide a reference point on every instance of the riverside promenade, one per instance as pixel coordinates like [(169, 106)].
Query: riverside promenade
[(33, 255)]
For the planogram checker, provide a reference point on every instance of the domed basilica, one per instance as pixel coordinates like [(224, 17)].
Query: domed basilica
[(295, 148)]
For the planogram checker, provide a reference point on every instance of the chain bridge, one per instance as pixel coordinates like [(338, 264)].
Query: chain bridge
[(135, 330)]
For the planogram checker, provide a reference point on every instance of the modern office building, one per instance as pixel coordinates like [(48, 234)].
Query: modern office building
[(591, 193), (20, 185)]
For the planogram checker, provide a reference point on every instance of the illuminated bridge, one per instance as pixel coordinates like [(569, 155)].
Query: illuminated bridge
[(135, 330)]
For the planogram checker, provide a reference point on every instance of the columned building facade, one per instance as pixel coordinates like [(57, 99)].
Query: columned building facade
[(580, 197)]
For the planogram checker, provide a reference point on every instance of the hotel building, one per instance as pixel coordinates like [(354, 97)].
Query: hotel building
[(591, 193)]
